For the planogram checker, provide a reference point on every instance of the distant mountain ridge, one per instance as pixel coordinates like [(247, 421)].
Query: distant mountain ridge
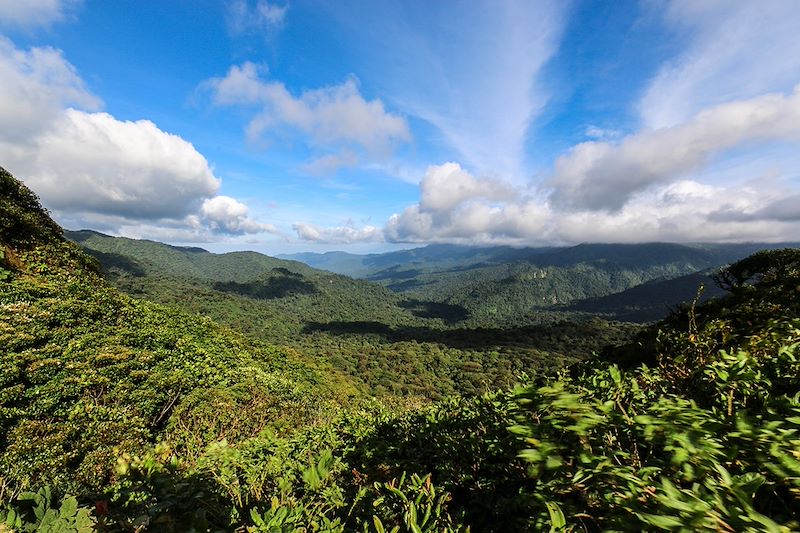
[(473, 285), (434, 257), (182, 260), (505, 285)]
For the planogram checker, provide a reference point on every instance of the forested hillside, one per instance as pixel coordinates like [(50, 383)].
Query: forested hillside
[(390, 343), (89, 374), (651, 300), (121, 414), (286, 293), (506, 286)]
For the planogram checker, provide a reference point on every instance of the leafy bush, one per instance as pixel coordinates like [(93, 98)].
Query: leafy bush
[(34, 511)]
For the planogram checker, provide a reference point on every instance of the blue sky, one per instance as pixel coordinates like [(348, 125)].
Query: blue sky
[(309, 125)]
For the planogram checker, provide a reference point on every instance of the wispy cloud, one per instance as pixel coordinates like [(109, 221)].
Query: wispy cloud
[(260, 17), (736, 50), (29, 14), (472, 69), (328, 165)]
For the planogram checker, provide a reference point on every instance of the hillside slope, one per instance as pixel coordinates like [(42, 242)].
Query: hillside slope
[(652, 300), (281, 296), (87, 373), (136, 254)]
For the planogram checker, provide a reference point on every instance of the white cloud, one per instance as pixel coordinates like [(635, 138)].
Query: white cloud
[(521, 222), (94, 162), (683, 211), (229, 215), (34, 13), (36, 85), (263, 17), (447, 186), (337, 234), (89, 167), (783, 208), (332, 116), (601, 175), (328, 165), (737, 49), (455, 205)]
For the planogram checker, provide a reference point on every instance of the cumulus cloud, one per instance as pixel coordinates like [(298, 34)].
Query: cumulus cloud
[(229, 215), (736, 50), (601, 175), (455, 205), (682, 211), (331, 116), (36, 85), (94, 162), (34, 13), (476, 221), (337, 234), (87, 166), (448, 185), (262, 16)]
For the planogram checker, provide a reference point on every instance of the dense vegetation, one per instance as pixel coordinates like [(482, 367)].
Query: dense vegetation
[(505, 286), (388, 343), (121, 414), (652, 300)]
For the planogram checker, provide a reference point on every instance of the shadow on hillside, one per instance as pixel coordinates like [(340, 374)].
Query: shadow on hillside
[(578, 339), (652, 300), (448, 312), (278, 283), (407, 285), (117, 264), (395, 273)]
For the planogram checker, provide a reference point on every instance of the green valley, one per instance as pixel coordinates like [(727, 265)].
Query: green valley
[(391, 343)]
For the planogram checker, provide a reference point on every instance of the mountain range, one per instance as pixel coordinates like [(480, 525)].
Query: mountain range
[(507, 285)]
